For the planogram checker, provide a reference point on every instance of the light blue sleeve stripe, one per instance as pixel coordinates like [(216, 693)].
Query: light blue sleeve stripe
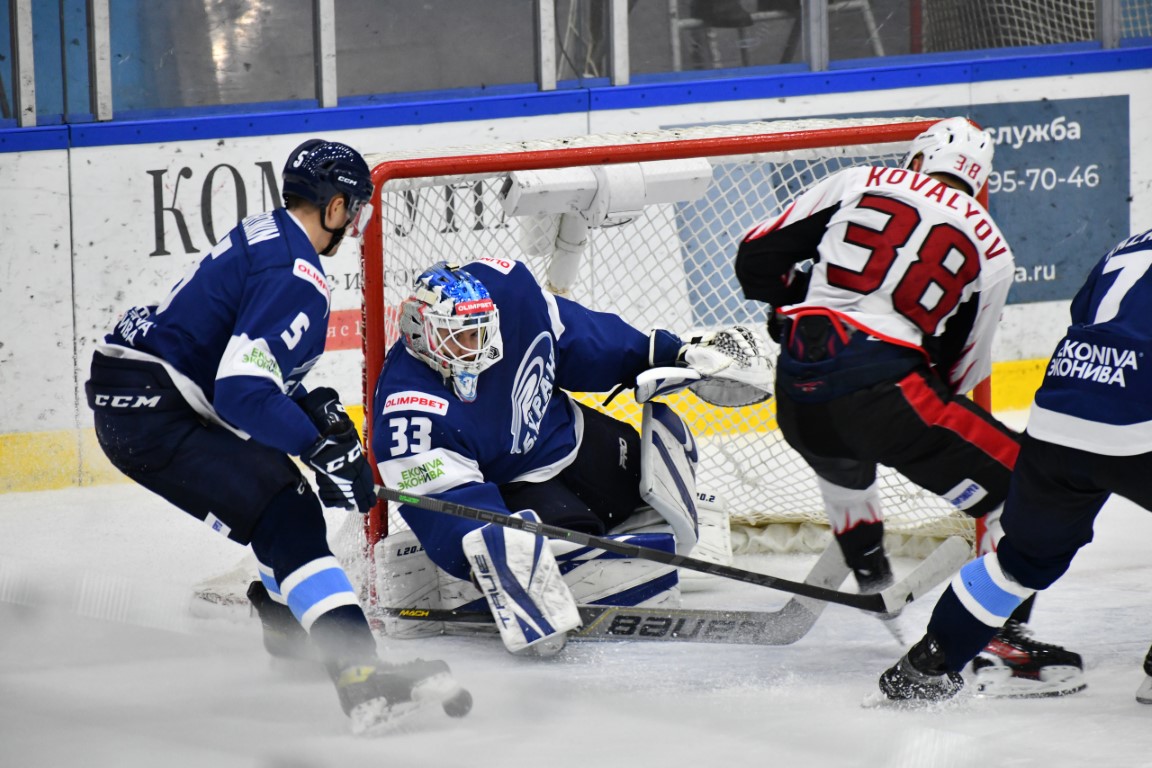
[(317, 587), (981, 588), (270, 583)]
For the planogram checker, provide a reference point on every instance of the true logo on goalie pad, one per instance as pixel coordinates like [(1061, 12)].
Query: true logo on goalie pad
[(518, 575), (490, 586)]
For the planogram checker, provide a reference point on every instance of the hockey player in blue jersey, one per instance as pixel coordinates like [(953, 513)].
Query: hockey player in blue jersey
[(1089, 435), (199, 399), (472, 406)]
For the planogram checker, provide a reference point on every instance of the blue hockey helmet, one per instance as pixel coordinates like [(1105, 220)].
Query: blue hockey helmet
[(451, 323), (319, 170)]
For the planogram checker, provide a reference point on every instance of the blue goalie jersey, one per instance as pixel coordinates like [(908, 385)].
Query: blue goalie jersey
[(240, 330), (1097, 391), (521, 427)]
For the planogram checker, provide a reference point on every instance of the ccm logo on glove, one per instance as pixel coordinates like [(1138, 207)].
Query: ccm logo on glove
[(338, 463)]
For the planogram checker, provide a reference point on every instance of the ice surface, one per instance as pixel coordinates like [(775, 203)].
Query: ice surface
[(112, 670)]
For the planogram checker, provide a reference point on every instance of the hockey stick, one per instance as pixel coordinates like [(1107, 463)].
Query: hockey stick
[(953, 550), (612, 622)]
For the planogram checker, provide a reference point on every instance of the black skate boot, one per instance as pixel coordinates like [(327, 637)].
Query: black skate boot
[(1144, 692), (921, 675), (1014, 665), (873, 571), (284, 638), (376, 695)]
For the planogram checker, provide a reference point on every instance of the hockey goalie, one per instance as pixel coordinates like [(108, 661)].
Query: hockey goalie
[(472, 406)]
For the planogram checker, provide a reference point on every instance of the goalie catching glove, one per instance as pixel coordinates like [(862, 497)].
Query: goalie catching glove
[(343, 477), (729, 368)]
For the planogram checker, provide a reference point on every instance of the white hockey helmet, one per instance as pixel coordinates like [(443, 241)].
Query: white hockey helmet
[(451, 323), (957, 148)]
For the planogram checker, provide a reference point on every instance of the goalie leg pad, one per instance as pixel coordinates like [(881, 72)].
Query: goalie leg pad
[(407, 578), (715, 540), (597, 577), (520, 579), (668, 471)]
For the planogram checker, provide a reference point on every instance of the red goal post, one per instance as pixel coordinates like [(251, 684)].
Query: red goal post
[(668, 266)]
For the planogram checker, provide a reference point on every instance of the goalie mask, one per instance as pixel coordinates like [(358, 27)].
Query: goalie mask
[(451, 323), (957, 148)]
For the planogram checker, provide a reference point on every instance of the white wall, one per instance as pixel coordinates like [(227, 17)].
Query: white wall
[(78, 229)]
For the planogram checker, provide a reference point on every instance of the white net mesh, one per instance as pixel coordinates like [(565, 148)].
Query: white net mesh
[(954, 25), (672, 267)]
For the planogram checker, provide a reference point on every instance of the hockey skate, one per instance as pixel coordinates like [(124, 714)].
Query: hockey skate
[(1014, 665), (379, 696), (920, 676), (1144, 692), (284, 638)]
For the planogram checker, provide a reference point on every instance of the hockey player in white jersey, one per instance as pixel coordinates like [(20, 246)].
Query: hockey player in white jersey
[(471, 407), (199, 399), (887, 285), (1089, 435)]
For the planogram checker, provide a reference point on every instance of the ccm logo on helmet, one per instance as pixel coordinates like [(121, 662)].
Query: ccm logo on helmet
[(126, 401)]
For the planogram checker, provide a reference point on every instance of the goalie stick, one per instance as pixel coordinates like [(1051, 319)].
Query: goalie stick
[(686, 625), (954, 551)]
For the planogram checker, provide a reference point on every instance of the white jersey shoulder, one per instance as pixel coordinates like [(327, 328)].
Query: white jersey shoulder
[(902, 251)]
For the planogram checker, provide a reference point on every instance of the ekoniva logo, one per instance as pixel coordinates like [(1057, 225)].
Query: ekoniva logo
[(415, 401), (474, 307)]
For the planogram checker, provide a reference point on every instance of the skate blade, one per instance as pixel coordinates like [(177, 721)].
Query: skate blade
[(877, 700), (1000, 683), (379, 718), (1144, 692)]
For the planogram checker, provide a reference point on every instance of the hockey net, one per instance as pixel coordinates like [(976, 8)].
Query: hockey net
[(671, 266), (955, 25)]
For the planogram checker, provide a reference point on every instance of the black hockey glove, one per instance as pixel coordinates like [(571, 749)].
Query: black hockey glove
[(343, 476), (323, 406)]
